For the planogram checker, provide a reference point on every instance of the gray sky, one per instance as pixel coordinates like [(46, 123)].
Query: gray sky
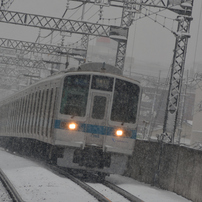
[(149, 43)]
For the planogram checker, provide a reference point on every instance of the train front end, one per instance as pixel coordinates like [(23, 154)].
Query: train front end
[(97, 122)]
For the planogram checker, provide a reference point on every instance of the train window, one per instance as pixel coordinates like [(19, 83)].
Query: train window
[(15, 115), (125, 102), (24, 112), (31, 113), (27, 114), (99, 107), (53, 105), (102, 83), (33, 128), (44, 116), (15, 109), (75, 95), (40, 112), (49, 110), (21, 114), (37, 112)]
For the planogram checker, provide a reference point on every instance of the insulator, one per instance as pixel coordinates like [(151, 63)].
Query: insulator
[(101, 11), (62, 42), (132, 16), (164, 21), (155, 18), (67, 5), (149, 11)]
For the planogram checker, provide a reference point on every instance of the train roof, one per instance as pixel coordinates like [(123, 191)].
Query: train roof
[(93, 67), (100, 67), (96, 67), (86, 67)]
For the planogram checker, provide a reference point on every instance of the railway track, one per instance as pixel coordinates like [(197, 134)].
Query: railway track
[(14, 195), (89, 187), (122, 192), (82, 184), (91, 190)]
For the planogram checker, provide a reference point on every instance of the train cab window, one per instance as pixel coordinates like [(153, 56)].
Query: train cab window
[(99, 107), (102, 83), (125, 102), (75, 95)]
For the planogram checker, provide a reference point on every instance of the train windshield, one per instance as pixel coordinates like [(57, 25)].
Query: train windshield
[(75, 95), (125, 102), (102, 83)]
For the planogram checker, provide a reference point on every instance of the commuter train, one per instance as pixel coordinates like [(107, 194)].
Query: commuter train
[(83, 118)]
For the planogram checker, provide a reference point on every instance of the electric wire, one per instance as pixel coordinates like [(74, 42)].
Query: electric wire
[(144, 15), (72, 44), (62, 17), (44, 37), (77, 19)]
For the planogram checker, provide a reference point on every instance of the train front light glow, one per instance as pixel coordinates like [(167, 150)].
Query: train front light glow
[(119, 133), (72, 126)]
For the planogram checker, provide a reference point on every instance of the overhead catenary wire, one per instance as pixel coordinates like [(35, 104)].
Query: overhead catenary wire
[(77, 19), (144, 15), (62, 17)]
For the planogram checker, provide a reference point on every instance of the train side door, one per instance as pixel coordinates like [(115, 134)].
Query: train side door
[(97, 120)]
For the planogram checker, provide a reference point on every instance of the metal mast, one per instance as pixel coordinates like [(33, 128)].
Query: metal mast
[(51, 23), (27, 47), (6, 5), (129, 9), (177, 69), (58, 24)]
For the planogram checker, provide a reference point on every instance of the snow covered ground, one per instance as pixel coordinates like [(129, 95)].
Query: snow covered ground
[(144, 191), (4, 197), (36, 183)]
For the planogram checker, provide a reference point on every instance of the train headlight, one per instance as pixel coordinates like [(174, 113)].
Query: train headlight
[(72, 126), (119, 133)]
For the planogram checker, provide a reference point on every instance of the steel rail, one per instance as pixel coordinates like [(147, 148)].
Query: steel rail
[(122, 192), (85, 186), (10, 188), (95, 193)]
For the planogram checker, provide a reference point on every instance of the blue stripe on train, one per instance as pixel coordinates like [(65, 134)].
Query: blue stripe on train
[(94, 129)]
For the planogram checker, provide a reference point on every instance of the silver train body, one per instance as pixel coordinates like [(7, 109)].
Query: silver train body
[(89, 114)]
